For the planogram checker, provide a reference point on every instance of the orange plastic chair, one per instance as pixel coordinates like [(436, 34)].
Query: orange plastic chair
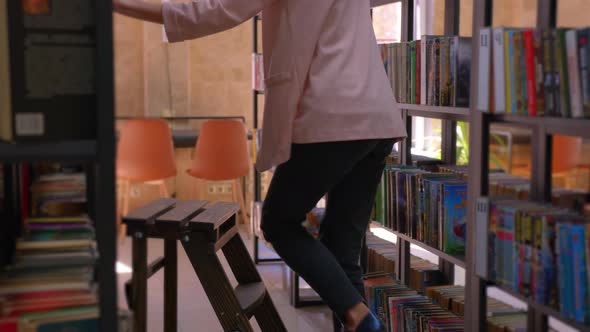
[(221, 154), (145, 153)]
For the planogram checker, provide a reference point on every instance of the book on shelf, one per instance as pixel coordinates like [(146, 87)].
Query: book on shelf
[(257, 72), (399, 306), (432, 71), (386, 296), (541, 252), (52, 80), (536, 72), (427, 206)]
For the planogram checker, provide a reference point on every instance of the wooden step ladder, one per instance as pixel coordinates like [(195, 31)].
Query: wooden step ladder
[(203, 229)]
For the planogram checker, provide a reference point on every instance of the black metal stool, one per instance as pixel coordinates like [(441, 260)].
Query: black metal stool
[(203, 228)]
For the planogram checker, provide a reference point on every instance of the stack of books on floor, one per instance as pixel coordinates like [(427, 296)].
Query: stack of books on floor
[(535, 72), (427, 206), (432, 71), (543, 253), (59, 194), (404, 309), (50, 283)]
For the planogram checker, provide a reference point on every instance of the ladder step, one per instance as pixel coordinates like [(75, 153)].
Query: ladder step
[(250, 296)]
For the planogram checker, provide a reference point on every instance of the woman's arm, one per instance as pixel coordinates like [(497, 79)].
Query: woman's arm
[(193, 19), (140, 9)]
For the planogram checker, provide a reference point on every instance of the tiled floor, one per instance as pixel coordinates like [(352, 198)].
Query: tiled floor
[(195, 313)]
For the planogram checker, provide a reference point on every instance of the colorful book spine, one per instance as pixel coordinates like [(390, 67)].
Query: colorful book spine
[(550, 83), (444, 71), (565, 270), (518, 68), (483, 87), (562, 77), (531, 81), (412, 87), (580, 301), (463, 72), (499, 72), (511, 102), (435, 69), (418, 71), (424, 70), (584, 58), (573, 65), (454, 216), (538, 61)]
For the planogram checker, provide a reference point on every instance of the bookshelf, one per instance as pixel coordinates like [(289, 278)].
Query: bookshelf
[(542, 130), (97, 155), (449, 117)]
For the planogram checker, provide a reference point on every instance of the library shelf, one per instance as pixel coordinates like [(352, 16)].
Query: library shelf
[(543, 309), (552, 125), (54, 151), (436, 112), (458, 260)]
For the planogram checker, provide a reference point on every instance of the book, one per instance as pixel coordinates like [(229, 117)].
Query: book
[(454, 205), (412, 87), (531, 68), (461, 75), (573, 65), (539, 72), (584, 60), (551, 83), (498, 52), (444, 71), (485, 51), (418, 72), (519, 73), (511, 102), (562, 74)]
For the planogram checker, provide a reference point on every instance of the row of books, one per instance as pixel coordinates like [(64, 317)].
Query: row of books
[(451, 298), (404, 309), (381, 258), (59, 194), (542, 252), (536, 72), (432, 71), (51, 282), (427, 206)]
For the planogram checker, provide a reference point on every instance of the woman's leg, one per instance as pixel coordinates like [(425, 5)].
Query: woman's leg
[(297, 185), (348, 212)]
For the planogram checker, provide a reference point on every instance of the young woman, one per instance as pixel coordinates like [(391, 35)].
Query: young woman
[(330, 120)]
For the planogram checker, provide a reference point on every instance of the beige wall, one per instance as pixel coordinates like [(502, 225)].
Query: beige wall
[(205, 77)]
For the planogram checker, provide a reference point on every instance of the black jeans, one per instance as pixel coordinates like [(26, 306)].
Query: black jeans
[(349, 172)]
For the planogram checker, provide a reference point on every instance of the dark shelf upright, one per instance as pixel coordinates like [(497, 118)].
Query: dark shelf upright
[(104, 182), (255, 119), (96, 154)]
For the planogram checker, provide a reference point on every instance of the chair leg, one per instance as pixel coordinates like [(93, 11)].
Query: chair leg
[(163, 189), (237, 189), (125, 210)]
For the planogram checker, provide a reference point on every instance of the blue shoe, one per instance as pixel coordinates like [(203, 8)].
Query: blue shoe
[(371, 324)]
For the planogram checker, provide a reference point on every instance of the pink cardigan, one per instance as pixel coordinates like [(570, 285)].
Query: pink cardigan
[(324, 76)]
